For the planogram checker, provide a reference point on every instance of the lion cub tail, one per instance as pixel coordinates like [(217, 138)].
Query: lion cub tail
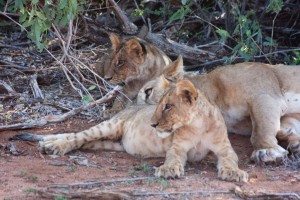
[(28, 137)]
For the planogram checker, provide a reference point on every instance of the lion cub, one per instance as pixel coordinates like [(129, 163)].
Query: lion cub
[(196, 127), (131, 63)]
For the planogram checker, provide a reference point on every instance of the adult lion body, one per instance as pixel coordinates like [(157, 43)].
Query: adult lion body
[(253, 98)]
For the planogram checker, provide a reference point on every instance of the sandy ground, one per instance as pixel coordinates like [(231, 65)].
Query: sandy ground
[(32, 175)]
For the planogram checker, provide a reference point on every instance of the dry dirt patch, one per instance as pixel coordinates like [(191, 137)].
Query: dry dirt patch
[(27, 174)]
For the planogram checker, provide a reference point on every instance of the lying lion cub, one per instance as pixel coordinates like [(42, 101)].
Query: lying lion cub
[(186, 125), (131, 63), (254, 98)]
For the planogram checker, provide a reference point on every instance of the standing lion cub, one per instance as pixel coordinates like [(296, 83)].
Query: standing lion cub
[(187, 127)]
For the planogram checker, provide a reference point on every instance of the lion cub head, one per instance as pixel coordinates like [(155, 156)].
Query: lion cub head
[(175, 109), (127, 56), (153, 90)]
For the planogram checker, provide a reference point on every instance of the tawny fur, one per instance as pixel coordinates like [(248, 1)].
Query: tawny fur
[(194, 122), (131, 62)]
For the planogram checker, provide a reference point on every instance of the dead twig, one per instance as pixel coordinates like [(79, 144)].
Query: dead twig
[(173, 48), (14, 65), (265, 195), (89, 194), (202, 192), (127, 26), (237, 59), (93, 184), (8, 88), (60, 118), (37, 93)]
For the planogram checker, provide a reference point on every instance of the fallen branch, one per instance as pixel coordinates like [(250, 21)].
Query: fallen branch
[(8, 88), (37, 93), (238, 59), (13, 65), (93, 184), (265, 195), (60, 118), (174, 49), (81, 190), (94, 194), (127, 26), (201, 192)]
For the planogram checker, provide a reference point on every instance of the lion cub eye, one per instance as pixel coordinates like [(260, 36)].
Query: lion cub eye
[(120, 63), (168, 106), (148, 92)]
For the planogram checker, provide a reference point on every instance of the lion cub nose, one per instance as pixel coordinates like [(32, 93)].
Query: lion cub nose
[(154, 125)]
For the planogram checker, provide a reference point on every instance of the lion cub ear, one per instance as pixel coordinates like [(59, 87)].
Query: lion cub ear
[(115, 41), (186, 91), (163, 82), (174, 71), (136, 50)]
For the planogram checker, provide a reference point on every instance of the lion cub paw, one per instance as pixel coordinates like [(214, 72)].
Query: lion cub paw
[(291, 138), (230, 174), (170, 171), (57, 147), (271, 155)]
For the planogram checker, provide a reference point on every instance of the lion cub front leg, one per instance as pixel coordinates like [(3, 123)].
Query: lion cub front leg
[(174, 164), (228, 166), (227, 159), (175, 158)]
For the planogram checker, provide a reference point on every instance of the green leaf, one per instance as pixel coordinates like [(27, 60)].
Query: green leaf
[(86, 99), (58, 17), (275, 6), (41, 15), (18, 3), (223, 34), (62, 4), (74, 5), (27, 23), (31, 15), (64, 20), (23, 17), (248, 33), (183, 2), (92, 87), (244, 55), (40, 46), (34, 2), (47, 24), (37, 31), (179, 14)]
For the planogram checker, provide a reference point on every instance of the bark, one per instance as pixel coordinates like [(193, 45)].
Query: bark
[(174, 49)]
